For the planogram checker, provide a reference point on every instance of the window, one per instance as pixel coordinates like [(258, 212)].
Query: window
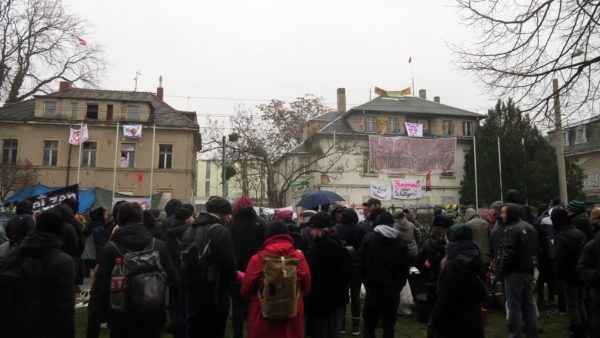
[(50, 108), (165, 156), (425, 123), (109, 112), (566, 136), (88, 154), (580, 136), (371, 124), (207, 180), (92, 112), (447, 127), (466, 128), (9, 151), (127, 155), (50, 153), (367, 163), (304, 163), (74, 108), (133, 113), (393, 127), (447, 174)]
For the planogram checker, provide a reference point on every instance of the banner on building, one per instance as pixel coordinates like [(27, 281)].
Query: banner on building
[(132, 130), (53, 198), (143, 202), (381, 192), (78, 136), (406, 189), (414, 129), (300, 187), (404, 155)]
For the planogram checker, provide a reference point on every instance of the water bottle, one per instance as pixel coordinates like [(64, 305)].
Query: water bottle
[(117, 297)]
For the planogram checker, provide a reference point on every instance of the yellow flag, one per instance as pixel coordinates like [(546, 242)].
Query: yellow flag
[(405, 92), (380, 92)]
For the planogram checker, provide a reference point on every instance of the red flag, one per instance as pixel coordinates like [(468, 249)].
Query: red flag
[(428, 185), (81, 41), (409, 59)]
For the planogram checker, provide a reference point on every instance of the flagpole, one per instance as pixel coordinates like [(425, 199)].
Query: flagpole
[(476, 187), (500, 170), (412, 76), (115, 167), (79, 161), (152, 163)]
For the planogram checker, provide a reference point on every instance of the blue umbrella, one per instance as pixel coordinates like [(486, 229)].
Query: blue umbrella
[(319, 197)]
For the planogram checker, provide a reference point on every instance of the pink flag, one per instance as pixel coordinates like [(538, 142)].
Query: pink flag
[(81, 41)]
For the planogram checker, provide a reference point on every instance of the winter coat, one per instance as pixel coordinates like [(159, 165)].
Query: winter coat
[(384, 259), (173, 240), (70, 244), (460, 293), (569, 245), (588, 269), (519, 245), (252, 284), (582, 222), (429, 260), (348, 229), (496, 238), (48, 312), (481, 234), (19, 226), (247, 234), (407, 233), (132, 237), (91, 251), (331, 270), (300, 241)]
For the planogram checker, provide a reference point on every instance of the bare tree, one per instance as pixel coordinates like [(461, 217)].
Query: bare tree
[(15, 176), (41, 41), (522, 45)]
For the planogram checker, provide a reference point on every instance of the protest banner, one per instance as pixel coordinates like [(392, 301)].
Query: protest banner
[(406, 189), (53, 198), (404, 155), (381, 192)]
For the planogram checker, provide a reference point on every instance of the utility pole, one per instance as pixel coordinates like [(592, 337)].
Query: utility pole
[(559, 145), (223, 179), (500, 171)]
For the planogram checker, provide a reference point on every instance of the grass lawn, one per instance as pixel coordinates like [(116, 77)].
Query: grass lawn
[(552, 325)]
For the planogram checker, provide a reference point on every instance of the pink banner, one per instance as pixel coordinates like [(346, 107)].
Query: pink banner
[(403, 155)]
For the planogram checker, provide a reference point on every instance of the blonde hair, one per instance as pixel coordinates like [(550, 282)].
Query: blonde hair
[(595, 218)]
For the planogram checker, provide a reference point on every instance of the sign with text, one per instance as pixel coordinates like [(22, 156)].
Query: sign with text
[(51, 199), (381, 192), (404, 155), (406, 189)]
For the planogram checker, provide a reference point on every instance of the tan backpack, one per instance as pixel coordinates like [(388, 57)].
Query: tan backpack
[(279, 296)]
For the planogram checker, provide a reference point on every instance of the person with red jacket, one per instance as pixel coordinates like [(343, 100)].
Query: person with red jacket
[(277, 242)]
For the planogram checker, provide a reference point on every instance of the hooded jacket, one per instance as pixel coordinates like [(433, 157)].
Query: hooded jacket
[(20, 225), (569, 245), (170, 209), (429, 260), (384, 259), (460, 293), (253, 283), (519, 244), (408, 234), (582, 222), (47, 310), (588, 269), (348, 229), (247, 234), (481, 234)]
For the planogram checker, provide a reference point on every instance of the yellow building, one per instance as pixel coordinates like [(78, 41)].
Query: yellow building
[(36, 132)]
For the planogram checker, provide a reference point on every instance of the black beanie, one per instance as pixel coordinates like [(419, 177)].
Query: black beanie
[(384, 218), (49, 221), (276, 228), (442, 221), (320, 220), (218, 205), (183, 213)]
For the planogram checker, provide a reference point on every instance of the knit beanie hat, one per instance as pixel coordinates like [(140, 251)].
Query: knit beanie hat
[(576, 207), (442, 221), (49, 221), (399, 214), (183, 213), (275, 228), (284, 215), (218, 205), (460, 232), (384, 218), (320, 220)]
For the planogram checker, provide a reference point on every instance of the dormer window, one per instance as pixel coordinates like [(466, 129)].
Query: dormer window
[(580, 135), (133, 113), (50, 108), (91, 112)]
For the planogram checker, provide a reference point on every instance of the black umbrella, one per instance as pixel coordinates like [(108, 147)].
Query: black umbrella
[(319, 197)]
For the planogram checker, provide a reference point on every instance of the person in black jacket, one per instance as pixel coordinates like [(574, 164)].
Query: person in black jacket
[(461, 291), (373, 207), (247, 234), (68, 233), (45, 292), (569, 244), (20, 225), (331, 270), (515, 265), (384, 264), (429, 260), (206, 310), (352, 235), (287, 217), (132, 236), (588, 270), (170, 209)]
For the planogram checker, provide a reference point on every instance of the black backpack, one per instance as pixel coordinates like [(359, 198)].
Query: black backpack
[(196, 264), (145, 279)]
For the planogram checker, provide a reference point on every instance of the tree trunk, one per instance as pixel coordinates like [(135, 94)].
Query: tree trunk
[(245, 190)]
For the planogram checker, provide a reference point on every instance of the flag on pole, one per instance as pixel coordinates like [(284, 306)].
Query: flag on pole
[(81, 41), (78, 136), (132, 130), (414, 129)]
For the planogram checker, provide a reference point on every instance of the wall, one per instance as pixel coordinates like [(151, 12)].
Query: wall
[(63, 107)]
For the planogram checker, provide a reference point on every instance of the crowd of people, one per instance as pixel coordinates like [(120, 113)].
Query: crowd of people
[(284, 277)]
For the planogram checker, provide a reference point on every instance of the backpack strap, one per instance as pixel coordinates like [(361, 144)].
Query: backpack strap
[(114, 245)]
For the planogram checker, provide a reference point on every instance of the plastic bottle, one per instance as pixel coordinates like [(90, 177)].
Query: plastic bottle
[(117, 297)]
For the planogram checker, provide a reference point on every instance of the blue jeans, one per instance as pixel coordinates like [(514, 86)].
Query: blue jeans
[(205, 319), (520, 308)]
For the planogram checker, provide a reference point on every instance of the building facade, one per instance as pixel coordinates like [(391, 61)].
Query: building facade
[(352, 173), (36, 132)]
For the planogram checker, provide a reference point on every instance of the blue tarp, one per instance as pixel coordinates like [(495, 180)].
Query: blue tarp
[(87, 197)]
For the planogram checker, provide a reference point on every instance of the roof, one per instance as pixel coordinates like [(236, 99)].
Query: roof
[(162, 114), (329, 116), (339, 126), (411, 105), (583, 122)]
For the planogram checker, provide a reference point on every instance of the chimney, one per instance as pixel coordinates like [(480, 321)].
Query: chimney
[(341, 100), (423, 94), (160, 91), (64, 85), (436, 99)]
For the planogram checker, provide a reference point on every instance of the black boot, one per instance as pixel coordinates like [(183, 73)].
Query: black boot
[(355, 326)]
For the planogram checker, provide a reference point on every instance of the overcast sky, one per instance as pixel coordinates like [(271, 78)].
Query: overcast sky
[(251, 51)]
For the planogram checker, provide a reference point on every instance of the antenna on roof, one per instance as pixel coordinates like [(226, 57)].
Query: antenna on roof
[(160, 81), (136, 78)]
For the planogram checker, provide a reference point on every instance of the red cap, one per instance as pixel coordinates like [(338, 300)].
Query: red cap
[(119, 260)]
